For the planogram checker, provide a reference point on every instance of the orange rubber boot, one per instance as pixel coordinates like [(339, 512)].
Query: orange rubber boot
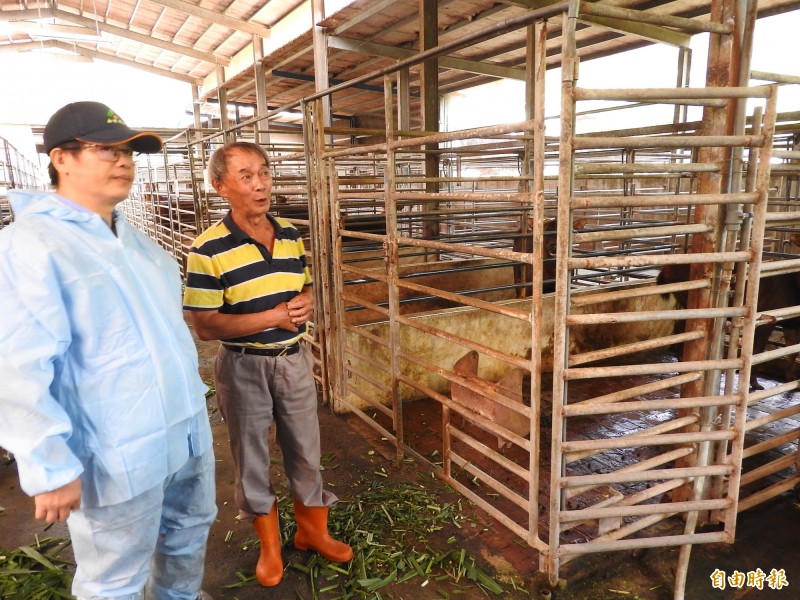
[(269, 570), (312, 533)]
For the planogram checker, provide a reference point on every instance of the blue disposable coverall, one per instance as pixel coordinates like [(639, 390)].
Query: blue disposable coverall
[(99, 381)]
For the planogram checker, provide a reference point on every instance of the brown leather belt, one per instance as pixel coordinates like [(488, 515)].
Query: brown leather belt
[(284, 351)]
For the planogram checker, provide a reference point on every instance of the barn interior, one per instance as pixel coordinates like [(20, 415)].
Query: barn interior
[(589, 333)]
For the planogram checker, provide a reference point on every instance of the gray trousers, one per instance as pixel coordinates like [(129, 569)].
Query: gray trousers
[(252, 392)]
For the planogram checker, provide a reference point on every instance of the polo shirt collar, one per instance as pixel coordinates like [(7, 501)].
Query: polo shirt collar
[(240, 236)]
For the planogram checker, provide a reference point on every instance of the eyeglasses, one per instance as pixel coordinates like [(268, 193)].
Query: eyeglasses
[(109, 153)]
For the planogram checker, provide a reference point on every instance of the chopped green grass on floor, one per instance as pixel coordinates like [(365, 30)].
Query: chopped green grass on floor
[(389, 527), (35, 572)]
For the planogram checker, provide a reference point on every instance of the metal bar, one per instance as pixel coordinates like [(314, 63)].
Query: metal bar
[(657, 260), (648, 440), (626, 234), (593, 297), (644, 465), (653, 18), (783, 217), (644, 509), (639, 476), (643, 168), (759, 395), (382, 431), (784, 462), (366, 304), (770, 444), (593, 546), (762, 183), (773, 354), (466, 249), (776, 267), (484, 450), (652, 369), (561, 304), (432, 138), (498, 487), (627, 529), (521, 198), (655, 430), (654, 315), (772, 417), (677, 93), (677, 141), (641, 390), (494, 512), (371, 402), (364, 377), (582, 409), (466, 300), (633, 347), (645, 200), (769, 493)]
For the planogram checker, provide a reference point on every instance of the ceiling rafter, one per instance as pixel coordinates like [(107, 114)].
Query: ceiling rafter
[(215, 17), (94, 24), (141, 38), (133, 13), (180, 28), (362, 17), (154, 28)]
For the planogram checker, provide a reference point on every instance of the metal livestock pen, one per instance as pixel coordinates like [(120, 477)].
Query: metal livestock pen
[(562, 414)]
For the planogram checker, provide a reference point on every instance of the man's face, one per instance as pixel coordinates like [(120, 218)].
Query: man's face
[(247, 184), (98, 174)]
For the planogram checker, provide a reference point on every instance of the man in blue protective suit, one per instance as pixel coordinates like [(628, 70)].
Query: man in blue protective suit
[(101, 403)]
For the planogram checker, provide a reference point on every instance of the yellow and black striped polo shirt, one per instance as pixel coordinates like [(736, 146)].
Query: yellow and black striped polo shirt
[(229, 271)]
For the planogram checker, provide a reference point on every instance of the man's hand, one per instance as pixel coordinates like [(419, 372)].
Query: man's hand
[(58, 504), (301, 307), (283, 317)]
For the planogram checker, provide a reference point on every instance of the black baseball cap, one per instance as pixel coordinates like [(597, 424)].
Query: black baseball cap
[(95, 123)]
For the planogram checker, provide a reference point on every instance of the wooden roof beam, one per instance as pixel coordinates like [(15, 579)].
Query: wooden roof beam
[(377, 9), (215, 17), (449, 62), (137, 37), (649, 32)]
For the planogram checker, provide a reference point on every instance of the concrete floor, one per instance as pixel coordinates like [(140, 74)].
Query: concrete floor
[(766, 536), (766, 539)]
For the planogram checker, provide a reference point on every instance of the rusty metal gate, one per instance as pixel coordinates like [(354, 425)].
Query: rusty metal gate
[(687, 462)]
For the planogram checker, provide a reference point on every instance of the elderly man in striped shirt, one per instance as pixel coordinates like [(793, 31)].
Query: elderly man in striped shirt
[(249, 286)]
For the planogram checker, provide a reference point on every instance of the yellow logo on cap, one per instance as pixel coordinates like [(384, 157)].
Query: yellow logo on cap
[(112, 117)]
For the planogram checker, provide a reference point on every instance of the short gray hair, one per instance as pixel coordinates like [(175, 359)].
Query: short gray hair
[(218, 165)]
